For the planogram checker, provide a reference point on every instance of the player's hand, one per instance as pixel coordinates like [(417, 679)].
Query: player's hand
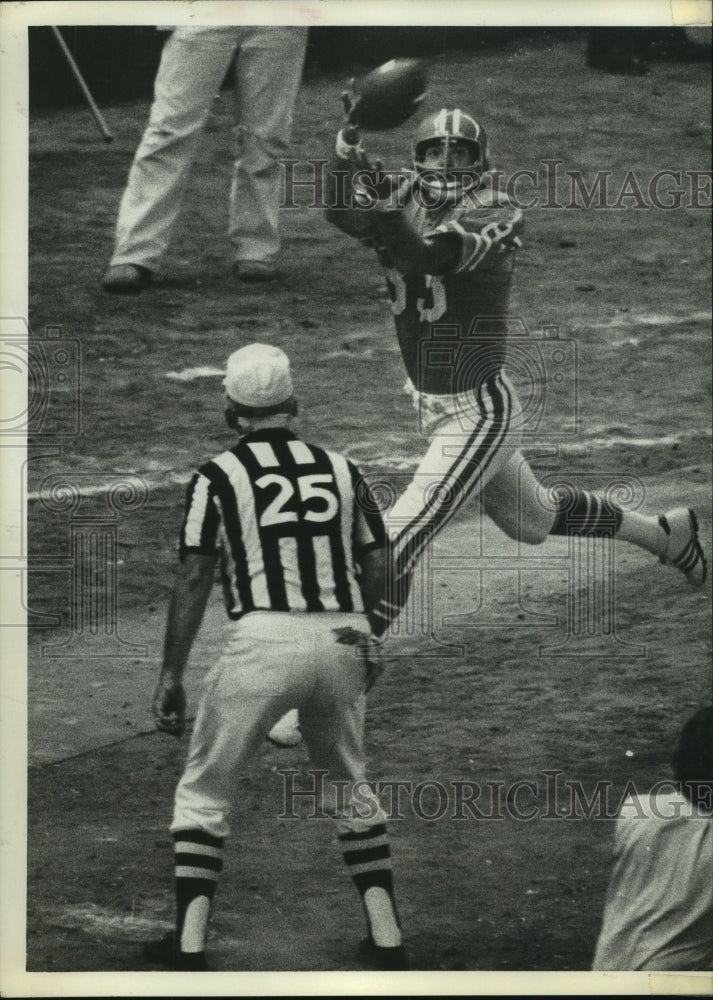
[(349, 100), (169, 706), (377, 187), (366, 645), (350, 131)]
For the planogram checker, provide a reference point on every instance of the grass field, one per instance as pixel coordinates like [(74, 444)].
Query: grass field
[(629, 285)]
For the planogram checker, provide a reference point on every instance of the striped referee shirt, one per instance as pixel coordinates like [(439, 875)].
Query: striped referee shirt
[(283, 515)]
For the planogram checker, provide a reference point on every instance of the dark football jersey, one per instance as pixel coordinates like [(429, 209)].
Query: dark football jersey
[(451, 326)]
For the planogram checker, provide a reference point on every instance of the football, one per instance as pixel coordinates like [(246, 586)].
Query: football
[(389, 95)]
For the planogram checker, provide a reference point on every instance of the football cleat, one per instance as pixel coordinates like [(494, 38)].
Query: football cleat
[(684, 551), (383, 959), (126, 279)]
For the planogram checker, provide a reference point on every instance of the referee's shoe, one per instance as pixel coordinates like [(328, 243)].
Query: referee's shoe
[(165, 953), (383, 959)]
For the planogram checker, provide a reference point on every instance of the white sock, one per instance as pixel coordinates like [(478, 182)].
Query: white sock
[(382, 919), (643, 530), (195, 925)]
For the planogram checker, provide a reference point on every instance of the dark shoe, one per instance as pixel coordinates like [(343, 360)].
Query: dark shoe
[(126, 279), (163, 952), (255, 270), (383, 959)]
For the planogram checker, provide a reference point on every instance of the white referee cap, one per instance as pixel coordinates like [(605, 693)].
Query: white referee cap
[(258, 376)]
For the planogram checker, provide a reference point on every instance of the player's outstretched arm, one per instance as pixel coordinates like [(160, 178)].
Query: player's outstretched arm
[(348, 160), (185, 614), (411, 252)]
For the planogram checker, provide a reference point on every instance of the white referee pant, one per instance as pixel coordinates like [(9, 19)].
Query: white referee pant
[(193, 65), (274, 662), (474, 450)]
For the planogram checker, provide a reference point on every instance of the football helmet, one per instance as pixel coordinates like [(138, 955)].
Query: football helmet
[(450, 153)]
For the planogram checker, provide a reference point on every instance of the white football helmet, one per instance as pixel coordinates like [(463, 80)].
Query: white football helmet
[(450, 153)]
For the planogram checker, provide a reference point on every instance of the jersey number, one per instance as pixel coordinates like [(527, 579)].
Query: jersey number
[(430, 308), (311, 489)]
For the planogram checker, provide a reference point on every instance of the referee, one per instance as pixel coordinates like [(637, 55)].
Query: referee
[(302, 552)]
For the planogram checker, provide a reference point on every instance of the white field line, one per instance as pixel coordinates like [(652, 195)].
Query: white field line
[(600, 444), (189, 374), (400, 462), (98, 919), (616, 323), (653, 319)]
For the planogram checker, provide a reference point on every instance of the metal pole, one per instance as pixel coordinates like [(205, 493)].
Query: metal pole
[(98, 117)]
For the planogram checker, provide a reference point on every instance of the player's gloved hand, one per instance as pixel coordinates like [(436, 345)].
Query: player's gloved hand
[(366, 648), (349, 145), (169, 706), (379, 188), (350, 132)]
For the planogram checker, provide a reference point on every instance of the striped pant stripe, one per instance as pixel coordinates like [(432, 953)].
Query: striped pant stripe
[(457, 483)]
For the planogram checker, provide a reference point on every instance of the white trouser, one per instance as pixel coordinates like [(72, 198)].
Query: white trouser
[(193, 65), (468, 434), (273, 662), (474, 450)]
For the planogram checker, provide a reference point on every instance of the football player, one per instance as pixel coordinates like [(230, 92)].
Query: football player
[(447, 238)]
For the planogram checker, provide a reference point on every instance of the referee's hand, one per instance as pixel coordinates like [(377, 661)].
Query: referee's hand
[(169, 707)]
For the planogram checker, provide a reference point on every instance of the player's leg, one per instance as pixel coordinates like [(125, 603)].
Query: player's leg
[(258, 678), (465, 452), (268, 74), (513, 499), (332, 723), (193, 65), (522, 508)]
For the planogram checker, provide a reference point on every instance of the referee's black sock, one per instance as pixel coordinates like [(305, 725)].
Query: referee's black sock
[(198, 860), (368, 857)]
